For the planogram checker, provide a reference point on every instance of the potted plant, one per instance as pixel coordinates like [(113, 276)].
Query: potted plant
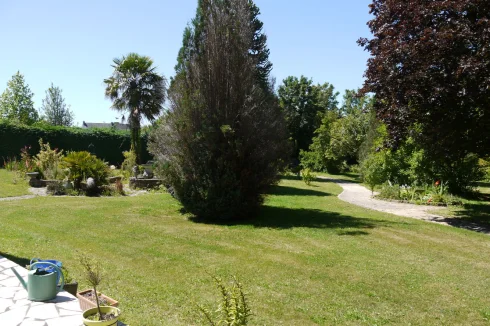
[(100, 315), (70, 285)]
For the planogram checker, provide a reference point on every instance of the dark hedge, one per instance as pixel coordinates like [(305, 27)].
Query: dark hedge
[(107, 144)]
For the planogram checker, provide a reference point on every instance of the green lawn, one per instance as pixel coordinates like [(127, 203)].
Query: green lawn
[(474, 210), (309, 259), (12, 185)]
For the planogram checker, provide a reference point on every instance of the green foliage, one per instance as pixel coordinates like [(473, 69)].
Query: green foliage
[(54, 109), (484, 165), (233, 308), (11, 164), (136, 88), (434, 194), (303, 104), (56, 188), (129, 162), (16, 102), (410, 164), (66, 274), (83, 165), (107, 144), (340, 136), (48, 161), (374, 171), (307, 176)]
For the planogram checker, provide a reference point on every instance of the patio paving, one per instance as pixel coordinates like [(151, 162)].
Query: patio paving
[(17, 310)]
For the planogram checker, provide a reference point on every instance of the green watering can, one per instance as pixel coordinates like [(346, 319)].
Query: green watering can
[(42, 285)]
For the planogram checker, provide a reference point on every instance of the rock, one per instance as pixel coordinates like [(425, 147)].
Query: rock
[(90, 183), (147, 174)]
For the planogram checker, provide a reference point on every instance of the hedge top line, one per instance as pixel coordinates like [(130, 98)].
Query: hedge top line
[(106, 143)]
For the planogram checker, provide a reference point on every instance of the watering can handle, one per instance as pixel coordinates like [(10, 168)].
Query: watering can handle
[(34, 260), (60, 275)]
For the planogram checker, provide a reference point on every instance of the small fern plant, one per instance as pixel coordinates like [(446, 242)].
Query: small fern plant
[(233, 308)]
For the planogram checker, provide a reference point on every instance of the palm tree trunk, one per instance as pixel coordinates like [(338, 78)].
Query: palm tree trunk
[(135, 126)]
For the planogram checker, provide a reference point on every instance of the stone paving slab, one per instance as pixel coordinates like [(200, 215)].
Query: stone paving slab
[(16, 310)]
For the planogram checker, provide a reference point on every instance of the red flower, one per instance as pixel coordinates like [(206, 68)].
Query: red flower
[(437, 183)]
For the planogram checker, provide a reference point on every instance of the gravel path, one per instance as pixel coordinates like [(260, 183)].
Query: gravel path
[(34, 191), (17, 198), (358, 195)]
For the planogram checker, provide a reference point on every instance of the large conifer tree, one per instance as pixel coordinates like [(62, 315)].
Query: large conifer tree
[(223, 140)]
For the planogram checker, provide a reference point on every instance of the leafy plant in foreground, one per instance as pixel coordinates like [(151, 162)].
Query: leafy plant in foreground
[(233, 308)]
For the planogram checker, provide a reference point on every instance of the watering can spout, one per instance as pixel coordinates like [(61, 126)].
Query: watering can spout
[(22, 281)]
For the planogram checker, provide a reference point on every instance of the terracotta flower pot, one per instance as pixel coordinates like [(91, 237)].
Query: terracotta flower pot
[(86, 303)]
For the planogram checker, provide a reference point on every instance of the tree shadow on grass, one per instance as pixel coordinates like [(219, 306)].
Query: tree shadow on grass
[(291, 177), (473, 216), (292, 191), (282, 218), (21, 261), (340, 180)]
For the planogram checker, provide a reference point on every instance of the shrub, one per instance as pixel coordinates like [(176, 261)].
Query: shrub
[(485, 167), (436, 193), (48, 161), (307, 176), (373, 171), (129, 162), (26, 161), (11, 164), (389, 191), (56, 189), (461, 174), (83, 165)]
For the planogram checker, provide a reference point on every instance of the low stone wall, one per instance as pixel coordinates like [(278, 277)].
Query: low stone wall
[(144, 183)]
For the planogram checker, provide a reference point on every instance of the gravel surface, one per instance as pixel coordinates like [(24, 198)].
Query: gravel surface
[(358, 195)]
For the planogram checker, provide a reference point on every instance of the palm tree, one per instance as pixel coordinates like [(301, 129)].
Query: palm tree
[(135, 87)]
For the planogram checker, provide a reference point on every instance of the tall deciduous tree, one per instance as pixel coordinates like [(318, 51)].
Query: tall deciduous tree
[(430, 68), (224, 139), (54, 108), (341, 135), (135, 87), (16, 101), (303, 104)]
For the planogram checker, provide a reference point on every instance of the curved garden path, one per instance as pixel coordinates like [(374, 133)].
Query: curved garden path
[(358, 195)]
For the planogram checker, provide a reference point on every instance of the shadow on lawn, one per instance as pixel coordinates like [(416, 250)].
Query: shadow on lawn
[(291, 191), (23, 262), (473, 216), (286, 218), (339, 180)]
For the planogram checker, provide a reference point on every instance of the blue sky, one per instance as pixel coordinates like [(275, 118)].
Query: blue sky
[(72, 43)]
